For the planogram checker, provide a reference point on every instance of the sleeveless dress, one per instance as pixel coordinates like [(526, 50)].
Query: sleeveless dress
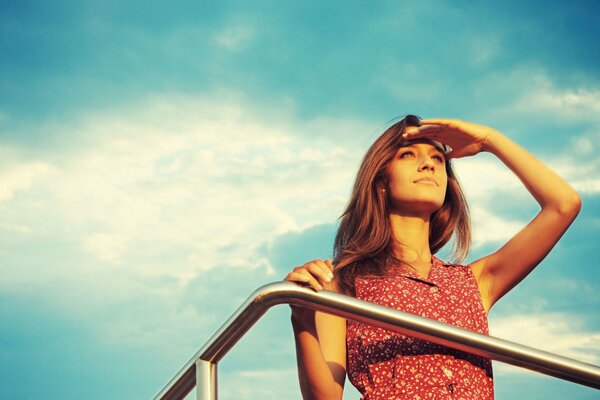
[(387, 365)]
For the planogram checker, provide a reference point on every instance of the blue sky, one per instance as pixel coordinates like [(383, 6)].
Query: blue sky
[(161, 160)]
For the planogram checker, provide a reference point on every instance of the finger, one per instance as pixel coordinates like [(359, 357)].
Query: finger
[(319, 270), (329, 264), (312, 281), (326, 267), (304, 277), (316, 267), (436, 121), (433, 132), (296, 277), (455, 154), (413, 130)]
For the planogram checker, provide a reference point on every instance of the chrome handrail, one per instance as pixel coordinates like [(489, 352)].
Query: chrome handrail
[(201, 370)]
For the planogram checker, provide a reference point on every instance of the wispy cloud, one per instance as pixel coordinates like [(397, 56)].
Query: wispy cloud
[(155, 197), (17, 176), (569, 104), (199, 183), (560, 333), (157, 164)]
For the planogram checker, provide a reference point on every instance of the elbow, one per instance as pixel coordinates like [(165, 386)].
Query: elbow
[(570, 206)]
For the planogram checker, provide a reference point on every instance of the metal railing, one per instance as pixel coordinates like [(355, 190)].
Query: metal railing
[(201, 370)]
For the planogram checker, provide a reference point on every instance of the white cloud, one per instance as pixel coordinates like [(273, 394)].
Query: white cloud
[(183, 177), (569, 104), (169, 189), (559, 333), (489, 228), (587, 186), (530, 101), (580, 167), (24, 229), (106, 247), (481, 177), (201, 180), (18, 176)]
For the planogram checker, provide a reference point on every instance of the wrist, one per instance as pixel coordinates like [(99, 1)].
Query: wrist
[(490, 143)]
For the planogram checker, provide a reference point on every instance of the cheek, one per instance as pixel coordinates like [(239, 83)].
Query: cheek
[(444, 175), (396, 176), (444, 181), (398, 183)]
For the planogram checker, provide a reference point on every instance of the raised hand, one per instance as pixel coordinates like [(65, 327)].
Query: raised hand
[(464, 138)]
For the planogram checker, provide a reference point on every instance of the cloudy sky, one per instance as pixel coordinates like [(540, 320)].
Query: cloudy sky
[(161, 160)]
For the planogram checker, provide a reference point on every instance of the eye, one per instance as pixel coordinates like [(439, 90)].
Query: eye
[(438, 158), (406, 154)]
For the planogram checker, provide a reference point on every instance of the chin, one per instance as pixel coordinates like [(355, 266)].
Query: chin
[(420, 206)]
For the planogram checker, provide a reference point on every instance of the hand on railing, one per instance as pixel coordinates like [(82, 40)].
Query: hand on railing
[(404, 323), (317, 275)]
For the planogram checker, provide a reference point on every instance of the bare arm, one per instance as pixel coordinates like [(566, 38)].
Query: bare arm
[(320, 338), (500, 271)]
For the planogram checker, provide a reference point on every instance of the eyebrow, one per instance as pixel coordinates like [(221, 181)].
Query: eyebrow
[(433, 147)]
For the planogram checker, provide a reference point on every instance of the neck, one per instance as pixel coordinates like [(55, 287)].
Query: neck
[(411, 236)]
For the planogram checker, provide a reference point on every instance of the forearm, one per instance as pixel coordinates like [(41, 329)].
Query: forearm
[(499, 272), (549, 190), (316, 379)]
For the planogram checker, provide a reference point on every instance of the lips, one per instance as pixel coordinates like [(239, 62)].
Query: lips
[(427, 180)]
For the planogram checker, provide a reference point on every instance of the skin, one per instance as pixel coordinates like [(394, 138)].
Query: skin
[(417, 179), (417, 187), (320, 338)]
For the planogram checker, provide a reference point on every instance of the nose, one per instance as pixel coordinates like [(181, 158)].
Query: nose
[(427, 164)]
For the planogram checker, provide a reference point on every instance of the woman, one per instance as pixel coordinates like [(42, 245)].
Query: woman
[(406, 204)]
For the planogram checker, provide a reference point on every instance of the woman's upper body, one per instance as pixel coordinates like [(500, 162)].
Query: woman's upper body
[(406, 204), (387, 365)]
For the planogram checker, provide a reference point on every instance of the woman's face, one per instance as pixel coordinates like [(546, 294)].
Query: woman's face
[(417, 178)]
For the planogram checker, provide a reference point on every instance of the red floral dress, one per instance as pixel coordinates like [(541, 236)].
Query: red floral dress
[(387, 365)]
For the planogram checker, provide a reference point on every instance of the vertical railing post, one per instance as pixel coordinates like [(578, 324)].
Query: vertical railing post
[(206, 380)]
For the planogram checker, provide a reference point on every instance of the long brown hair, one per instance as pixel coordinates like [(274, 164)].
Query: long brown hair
[(364, 241)]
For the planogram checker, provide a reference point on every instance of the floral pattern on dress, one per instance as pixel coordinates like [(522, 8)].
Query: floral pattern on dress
[(387, 365)]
